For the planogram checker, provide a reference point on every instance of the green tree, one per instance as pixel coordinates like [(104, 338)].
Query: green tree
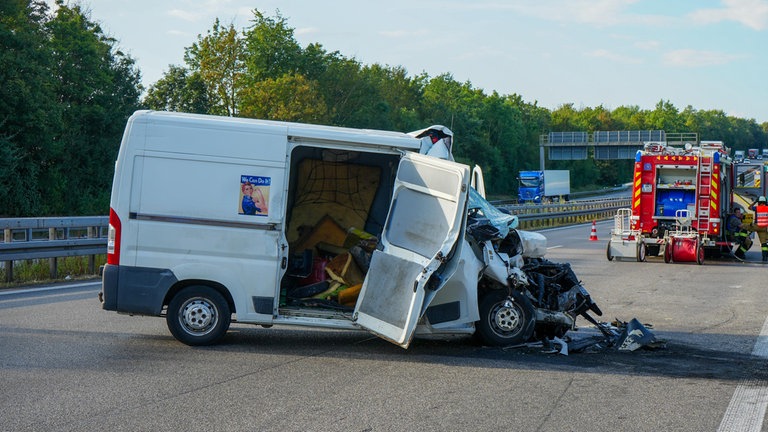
[(272, 50), (503, 130), (665, 117), (179, 90), (283, 82), (630, 118), (29, 113), (746, 133), (352, 97), (563, 119), (314, 61), (288, 98), (524, 155), (399, 93), (97, 87), (218, 59), (710, 125), (462, 108), (594, 119)]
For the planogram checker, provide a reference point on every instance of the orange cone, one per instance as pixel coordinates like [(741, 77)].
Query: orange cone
[(593, 235)]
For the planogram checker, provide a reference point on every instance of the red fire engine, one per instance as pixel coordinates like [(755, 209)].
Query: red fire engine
[(680, 199)]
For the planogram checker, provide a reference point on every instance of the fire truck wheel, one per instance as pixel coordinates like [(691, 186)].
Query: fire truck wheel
[(641, 251), (608, 252), (668, 252), (699, 254), (198, 315), (505, 320)]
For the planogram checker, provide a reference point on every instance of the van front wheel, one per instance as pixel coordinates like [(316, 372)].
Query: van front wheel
[(505, 319), (198, 315)]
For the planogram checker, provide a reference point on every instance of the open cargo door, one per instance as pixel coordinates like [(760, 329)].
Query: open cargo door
[(425, 219)]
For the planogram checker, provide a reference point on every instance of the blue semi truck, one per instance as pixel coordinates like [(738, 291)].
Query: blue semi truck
[(543, 186)]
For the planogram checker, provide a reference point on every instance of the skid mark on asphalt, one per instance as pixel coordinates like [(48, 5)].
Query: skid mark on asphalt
[(746, 411)]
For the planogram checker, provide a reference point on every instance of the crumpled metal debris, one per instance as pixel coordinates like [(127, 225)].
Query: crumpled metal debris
[(618, 335), (621, 335), (634, 336), (555, 345)]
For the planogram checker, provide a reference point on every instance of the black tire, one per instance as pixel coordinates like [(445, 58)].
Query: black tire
[(668, 252), (699, 254), (505, 323), (608, 252), (641, 252), (198, 315)]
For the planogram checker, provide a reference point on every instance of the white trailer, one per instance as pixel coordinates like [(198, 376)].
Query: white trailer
[(557, 183)]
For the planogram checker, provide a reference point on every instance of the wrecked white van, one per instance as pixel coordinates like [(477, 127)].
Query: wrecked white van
[(209, 215), (215, 219)]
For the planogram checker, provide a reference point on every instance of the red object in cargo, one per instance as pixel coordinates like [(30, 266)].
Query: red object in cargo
[(318, 272)]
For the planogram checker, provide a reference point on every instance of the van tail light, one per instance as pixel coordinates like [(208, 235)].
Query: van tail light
[(113, 238)]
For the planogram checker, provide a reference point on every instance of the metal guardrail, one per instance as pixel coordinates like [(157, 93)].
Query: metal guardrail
[(573, 195), (52, 238), (574, 212)]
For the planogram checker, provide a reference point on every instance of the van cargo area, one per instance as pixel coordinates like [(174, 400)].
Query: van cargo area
[(337, 207)]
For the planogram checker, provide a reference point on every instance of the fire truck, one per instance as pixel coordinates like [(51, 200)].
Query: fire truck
[(681, 197)]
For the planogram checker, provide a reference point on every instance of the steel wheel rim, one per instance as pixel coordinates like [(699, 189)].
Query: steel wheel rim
[(506, 318), (198, 316)]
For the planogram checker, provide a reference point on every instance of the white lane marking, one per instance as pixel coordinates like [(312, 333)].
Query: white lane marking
[(746, 411), (48, 288), (554, 247)]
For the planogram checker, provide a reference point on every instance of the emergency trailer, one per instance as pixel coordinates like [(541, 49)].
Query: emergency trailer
[(680, 200)]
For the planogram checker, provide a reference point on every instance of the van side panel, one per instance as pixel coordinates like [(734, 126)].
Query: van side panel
[(186, 220)]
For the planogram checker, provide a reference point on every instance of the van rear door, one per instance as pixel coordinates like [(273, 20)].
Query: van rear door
[(425, 219)]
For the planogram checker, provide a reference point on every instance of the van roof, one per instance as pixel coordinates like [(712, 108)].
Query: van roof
[(296, 131)]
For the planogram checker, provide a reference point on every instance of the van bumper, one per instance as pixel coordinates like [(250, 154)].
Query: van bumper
[(135, 290)]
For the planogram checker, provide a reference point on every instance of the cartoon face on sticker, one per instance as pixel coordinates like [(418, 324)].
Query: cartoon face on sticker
[(254, 195)]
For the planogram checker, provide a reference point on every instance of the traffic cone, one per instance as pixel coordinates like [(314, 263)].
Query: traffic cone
[(593, 235)]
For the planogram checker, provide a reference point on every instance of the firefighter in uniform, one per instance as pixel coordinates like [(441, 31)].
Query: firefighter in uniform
[(737, 232), (761, 224)]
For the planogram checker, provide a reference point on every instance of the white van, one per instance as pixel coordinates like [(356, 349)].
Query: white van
[(216, 219)]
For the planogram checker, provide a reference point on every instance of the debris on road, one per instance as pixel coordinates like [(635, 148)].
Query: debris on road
[(617, 335)]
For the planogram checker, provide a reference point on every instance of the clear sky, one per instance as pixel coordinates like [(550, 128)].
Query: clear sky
[(710, 54)]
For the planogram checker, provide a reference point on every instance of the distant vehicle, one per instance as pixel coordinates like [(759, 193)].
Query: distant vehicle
[(738, 156), (544, 186), (753, 153)]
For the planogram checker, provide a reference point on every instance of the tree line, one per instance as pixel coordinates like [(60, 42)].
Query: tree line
[(65, 94), (67, 91)]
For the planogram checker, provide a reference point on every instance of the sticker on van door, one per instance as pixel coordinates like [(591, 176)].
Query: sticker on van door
[(254, 195)]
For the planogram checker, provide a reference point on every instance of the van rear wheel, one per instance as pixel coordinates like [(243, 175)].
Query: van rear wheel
[(198, 315)]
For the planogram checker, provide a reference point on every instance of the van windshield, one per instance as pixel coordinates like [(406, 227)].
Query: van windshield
[(500, 220)]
